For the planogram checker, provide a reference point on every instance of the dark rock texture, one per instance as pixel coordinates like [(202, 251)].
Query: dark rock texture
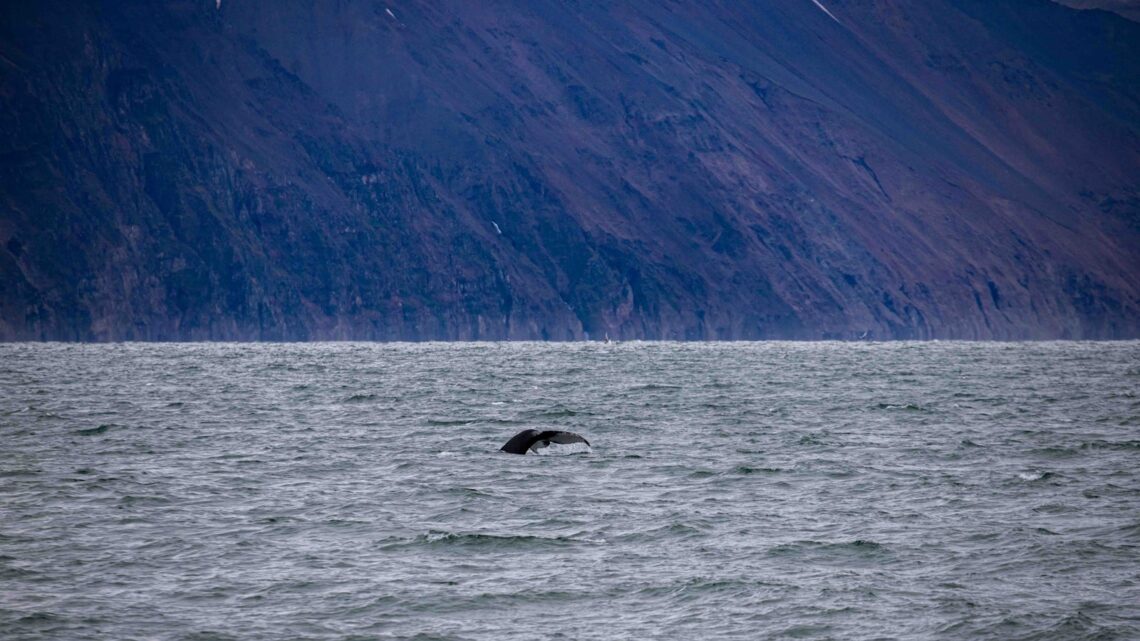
[(1127, 8), (562, 169)]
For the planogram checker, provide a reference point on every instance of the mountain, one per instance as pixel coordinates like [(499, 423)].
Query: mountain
[(542, 169), (1128, 8)]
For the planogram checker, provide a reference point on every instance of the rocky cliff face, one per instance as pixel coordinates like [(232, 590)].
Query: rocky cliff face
[(373, 169)]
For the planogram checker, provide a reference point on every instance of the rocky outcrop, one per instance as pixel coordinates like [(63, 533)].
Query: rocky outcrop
[(303, 170)]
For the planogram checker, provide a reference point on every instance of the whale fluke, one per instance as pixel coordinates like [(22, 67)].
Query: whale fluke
[(528, 440)]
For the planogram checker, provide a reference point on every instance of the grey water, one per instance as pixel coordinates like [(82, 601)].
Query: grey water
[(732, 491)]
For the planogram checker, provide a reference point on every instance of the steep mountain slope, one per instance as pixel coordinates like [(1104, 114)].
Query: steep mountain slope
[(1128, 8), (563, 169)]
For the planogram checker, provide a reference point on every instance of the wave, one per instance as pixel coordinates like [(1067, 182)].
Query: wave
[(361, 398), (133, 500), (811, 439), (1111, 445), (671, 532), (701, 585), (1069, 451), (744, 469), (1037, 476), (467, 540), (655, 387), (93, 431), (1056, 451), (553, 413), (903, 407), (821, 551), (469, 492), (18, 472)]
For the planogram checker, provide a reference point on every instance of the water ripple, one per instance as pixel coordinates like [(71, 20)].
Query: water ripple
[(767, 490)]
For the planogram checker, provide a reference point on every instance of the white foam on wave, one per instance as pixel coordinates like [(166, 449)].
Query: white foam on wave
[(562, 449)]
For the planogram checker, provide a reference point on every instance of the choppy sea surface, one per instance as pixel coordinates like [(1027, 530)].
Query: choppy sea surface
[(733, 491)]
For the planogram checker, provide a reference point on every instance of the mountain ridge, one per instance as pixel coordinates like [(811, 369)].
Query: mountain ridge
[(1128, 8)]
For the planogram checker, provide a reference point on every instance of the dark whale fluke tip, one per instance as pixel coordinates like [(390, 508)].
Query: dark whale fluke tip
[(528, 440)]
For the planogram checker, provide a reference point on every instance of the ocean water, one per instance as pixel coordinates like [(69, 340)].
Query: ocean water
[(733, 491)]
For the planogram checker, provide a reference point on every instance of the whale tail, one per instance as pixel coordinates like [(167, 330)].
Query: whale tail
[(528, 440)]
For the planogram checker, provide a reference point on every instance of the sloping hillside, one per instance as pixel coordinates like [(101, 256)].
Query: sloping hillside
[(1128, 8), (559, 170)]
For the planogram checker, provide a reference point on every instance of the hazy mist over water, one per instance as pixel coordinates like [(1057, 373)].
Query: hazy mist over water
[(734, 490)]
